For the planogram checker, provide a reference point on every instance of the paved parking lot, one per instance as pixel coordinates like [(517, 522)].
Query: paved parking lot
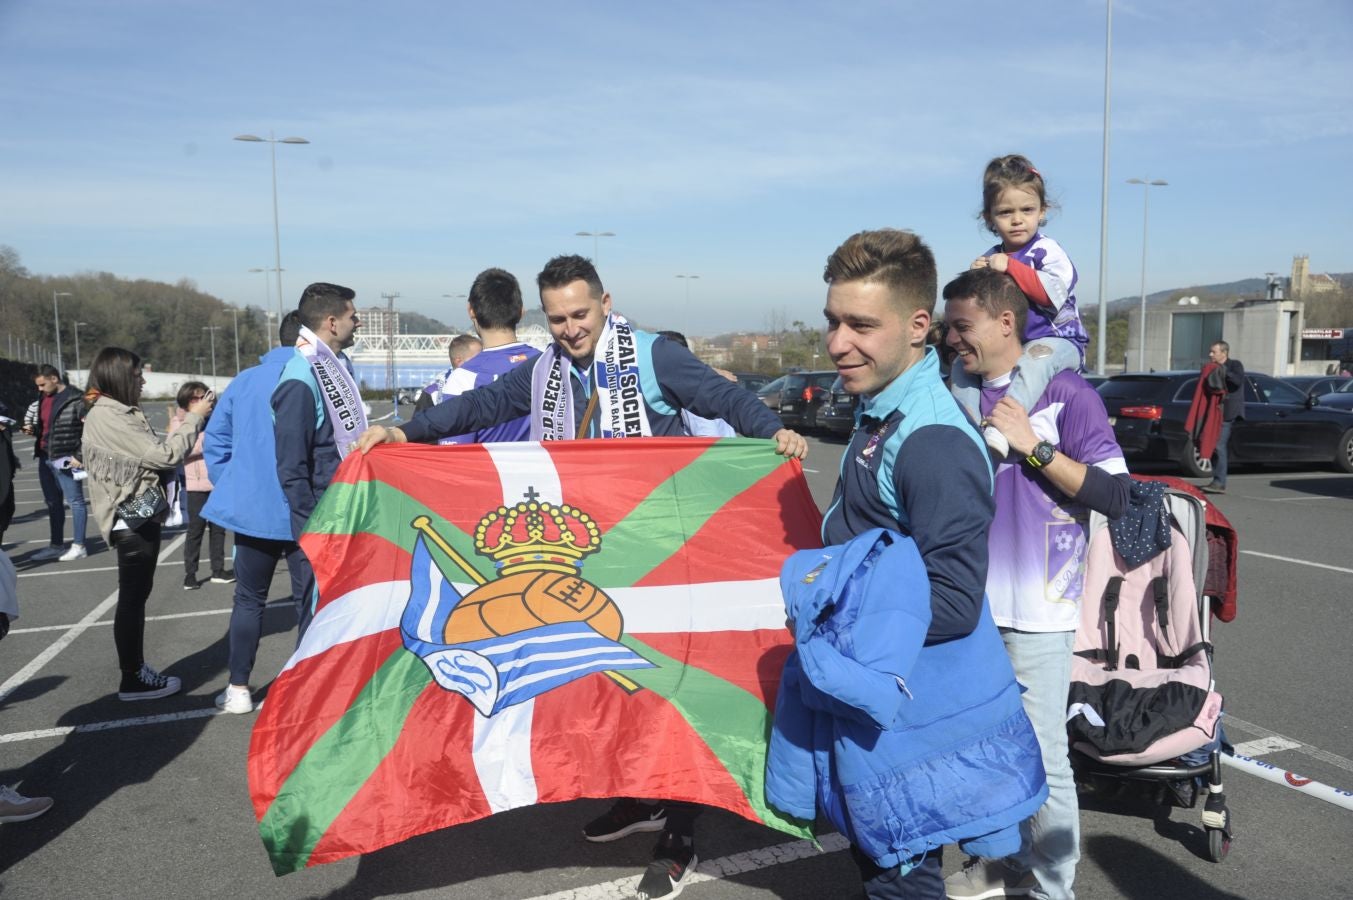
[(151, 798)]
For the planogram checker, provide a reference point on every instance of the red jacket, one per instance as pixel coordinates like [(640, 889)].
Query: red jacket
[(1204, 421)]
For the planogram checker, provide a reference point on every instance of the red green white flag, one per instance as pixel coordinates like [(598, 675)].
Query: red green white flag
[(502, 625)]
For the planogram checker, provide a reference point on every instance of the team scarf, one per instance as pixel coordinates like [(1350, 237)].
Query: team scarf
[(342, 400), (615, 378)]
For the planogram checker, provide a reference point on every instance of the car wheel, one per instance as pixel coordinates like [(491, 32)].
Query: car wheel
[(1343, 457), (1193, 464)]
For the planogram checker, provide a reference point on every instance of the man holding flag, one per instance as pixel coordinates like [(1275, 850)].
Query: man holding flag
[(603, 378)]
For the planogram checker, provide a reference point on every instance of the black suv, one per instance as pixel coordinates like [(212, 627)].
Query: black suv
[(802, 396), (838, 410)]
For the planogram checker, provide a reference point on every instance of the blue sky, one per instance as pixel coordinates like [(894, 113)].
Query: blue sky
[(738, 141)]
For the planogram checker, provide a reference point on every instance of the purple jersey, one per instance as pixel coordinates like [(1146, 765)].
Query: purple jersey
[(1058, 277), (1036, 570), (485, 367)]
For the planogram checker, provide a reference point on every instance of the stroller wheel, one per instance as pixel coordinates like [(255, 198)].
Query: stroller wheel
[(1218, 844)]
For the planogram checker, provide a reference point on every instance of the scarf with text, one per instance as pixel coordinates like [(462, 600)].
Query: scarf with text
[(615, 378), (342, 400)]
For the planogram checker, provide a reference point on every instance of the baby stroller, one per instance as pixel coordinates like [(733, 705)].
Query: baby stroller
[(1143, 704)]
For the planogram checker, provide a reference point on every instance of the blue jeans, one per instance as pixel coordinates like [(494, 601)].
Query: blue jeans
[(1220, 461), (1031, 377), (1052, 837), (255, 562), (59, 487)]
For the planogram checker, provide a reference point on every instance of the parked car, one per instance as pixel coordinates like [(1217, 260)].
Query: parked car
[(802, 396), (1341, 398), (837, 414), (753, 381), (1315, 385), (1281, 425), (770, 394)]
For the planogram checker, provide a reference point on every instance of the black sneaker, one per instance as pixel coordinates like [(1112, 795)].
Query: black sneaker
[(666, 875), (225, 577), (1214, 488), (148, 684), (626, 817), (190, 583)]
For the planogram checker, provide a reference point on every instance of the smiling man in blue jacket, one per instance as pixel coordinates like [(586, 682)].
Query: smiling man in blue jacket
[(248, 500)]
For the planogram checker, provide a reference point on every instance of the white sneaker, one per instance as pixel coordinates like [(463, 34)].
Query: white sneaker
[(75, 551), (996, 441), (237, 701), (15, 807), (983, 879)]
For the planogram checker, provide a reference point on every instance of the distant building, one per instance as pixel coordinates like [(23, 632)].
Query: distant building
[(1304, 283), (377, 320)]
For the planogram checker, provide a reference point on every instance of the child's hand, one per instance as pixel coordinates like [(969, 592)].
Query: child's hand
[(980, 263), (999, 261)]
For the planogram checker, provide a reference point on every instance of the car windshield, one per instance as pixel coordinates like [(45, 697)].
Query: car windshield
[(1346, 387), (774, 386), (1132, 387)]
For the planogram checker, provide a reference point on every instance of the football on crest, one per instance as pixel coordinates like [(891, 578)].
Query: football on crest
[(526, 600)]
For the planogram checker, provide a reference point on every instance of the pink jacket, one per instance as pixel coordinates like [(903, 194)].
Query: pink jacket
[(194, 467)]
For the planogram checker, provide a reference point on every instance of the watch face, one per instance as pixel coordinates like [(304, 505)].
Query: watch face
[(1043, 452)]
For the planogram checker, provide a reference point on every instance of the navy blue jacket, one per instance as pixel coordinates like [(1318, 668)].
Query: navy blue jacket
[(671, 377), (917, 465), (303, 438), (239, 450)]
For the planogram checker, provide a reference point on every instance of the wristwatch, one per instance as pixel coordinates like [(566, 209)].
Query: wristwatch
[(1041, 455)]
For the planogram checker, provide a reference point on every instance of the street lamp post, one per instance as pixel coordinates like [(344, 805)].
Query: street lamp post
[(1147, 184), (212, 329), (77, 345), (201, 364), (688, 279), (276, 231), (267, 298), (235, 313), (595, 236), (1102, 342), (56, 321)]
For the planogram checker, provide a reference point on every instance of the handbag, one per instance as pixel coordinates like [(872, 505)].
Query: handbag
[(141, 509)]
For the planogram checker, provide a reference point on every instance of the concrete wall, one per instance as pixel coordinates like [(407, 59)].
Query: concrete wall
[(1265, 336), (162, 385)]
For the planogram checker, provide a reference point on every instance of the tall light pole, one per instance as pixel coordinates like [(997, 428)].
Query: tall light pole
[(235, 312), (1102, 343), (688, 279), (276, 232), (212, 329), (595, 236), (267, 297), (56, 321), (77, 345), (1147, 184), (390, 377), (201, 363)]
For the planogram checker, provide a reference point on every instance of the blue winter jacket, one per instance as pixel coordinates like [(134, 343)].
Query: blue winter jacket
[(903, 746), (241, 460)]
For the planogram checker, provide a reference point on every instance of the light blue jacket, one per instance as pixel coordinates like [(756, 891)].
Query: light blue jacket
[(903, 747), (240, 454)]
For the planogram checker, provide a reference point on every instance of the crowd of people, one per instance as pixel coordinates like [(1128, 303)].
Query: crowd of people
[(970, 471)]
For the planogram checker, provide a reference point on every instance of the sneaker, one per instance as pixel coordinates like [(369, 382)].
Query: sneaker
[(226, 577), (15, 807), (673, 860), (996, 441), (148, 684), (190, 583), (982, 878), (52, 551), (1214, 488), (624, 818), (235, 700), (76, 551)]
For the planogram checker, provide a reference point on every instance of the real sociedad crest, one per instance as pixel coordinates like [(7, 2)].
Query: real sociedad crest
[(538, 625)]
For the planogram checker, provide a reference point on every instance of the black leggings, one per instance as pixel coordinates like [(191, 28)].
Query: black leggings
[(138, 552)]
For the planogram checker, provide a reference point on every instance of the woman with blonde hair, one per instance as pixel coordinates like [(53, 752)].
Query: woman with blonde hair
[(131, 491)]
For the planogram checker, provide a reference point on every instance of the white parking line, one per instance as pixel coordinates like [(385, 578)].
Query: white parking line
[(75, 631), (1300, 562), (41, 733), (161, 563), (1260, 731), (710, 869), (277, 604)]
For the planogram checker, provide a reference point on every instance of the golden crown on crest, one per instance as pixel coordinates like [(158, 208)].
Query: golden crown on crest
[(536, 535)]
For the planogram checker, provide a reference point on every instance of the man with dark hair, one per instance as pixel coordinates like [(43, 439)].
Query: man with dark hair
[(495, 308), (239, 450), (317, 408), (1063, 462), (57, 432), (1230, 377), (603, 378)]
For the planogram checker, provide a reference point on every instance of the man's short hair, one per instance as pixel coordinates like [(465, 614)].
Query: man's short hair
[(897, 259), (460, 344), (993, 292), (495, 299), (290, 329), (1225, 347), (564, 270), (675, 336), (46, 371), (321, 300)]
